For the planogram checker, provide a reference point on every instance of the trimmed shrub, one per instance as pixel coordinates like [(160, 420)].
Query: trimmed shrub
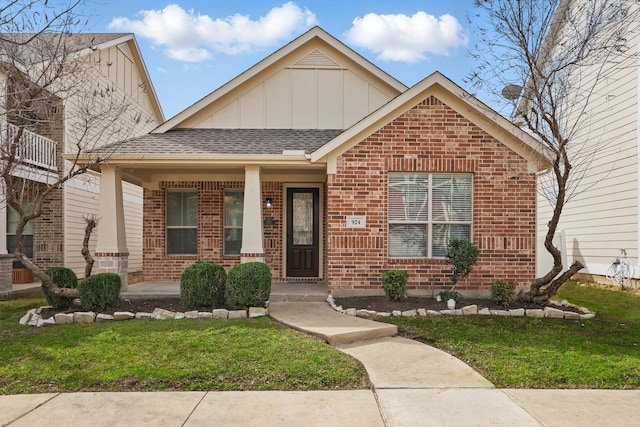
[(248, 285), (462, 255), (447, 295), (64, 278), (99, 291), (503, 292), (394, 283), (202, 285)]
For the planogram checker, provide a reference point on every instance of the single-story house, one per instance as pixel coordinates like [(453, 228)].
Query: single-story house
[(326, 168)]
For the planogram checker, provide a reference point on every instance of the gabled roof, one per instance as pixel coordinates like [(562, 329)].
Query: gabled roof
[(455, 97), (315, 32)]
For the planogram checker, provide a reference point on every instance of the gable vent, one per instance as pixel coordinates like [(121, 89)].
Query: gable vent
[(316, 59)]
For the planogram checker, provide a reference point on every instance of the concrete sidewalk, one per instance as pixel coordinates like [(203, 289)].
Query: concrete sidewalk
[(412, 385)]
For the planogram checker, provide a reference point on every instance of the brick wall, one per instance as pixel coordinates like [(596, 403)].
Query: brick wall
[(431, 137), (159, 266)]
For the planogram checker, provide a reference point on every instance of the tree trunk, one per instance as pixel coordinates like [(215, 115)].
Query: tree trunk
[(91, 224)]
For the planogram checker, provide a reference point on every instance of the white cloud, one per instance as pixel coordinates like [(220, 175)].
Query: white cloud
[(406, 38), (192, 37)]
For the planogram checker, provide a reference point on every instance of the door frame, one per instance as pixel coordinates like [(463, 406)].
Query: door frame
[(321, 219)]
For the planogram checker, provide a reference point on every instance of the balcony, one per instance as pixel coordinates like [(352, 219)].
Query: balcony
[(34, 150)]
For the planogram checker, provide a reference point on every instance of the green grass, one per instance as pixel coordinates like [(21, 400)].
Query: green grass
[(244, 354), (512, 352)]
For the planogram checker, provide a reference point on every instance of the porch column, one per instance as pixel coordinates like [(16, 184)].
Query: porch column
[(252, 247), (112, 255)]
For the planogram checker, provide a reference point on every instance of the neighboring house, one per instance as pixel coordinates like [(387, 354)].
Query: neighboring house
[(55, 238), (327, 169), (604, 215)]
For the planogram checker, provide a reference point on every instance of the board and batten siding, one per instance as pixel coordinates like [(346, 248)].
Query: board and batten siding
[(602, 217), (82, 197), (315, 92)]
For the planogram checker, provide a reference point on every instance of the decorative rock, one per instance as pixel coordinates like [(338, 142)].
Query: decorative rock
[(554, 313), (257, 312), (367, 314), (338, 308), (84, 317), (49, 322), (409, 313), (433, 313), (24, 320), (143, 315), (469, 310), (422, 312), (517, 312), (484, 312), (238, 314), (40, 322), (384, 314), (179, 316), (162, 314), (454, 312), (587, 316), (500, 312), (351, 311), (564, 303), (33, 321), (192, 314), (205, 315), (219, 313), (123, 315), (534, 312), (63, 318), (397, 313), (570, 315), (101, 317)]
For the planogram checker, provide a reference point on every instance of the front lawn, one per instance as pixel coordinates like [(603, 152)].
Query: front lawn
[(516, 352), (244, 354)]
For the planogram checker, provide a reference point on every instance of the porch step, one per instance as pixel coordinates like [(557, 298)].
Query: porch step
[(320, 320), (298, 292), (283, 297)]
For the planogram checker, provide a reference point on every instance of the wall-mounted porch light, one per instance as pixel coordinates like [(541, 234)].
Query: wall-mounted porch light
[(268, 203)]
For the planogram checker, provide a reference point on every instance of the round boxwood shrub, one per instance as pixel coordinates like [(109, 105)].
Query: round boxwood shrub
[(503, 292), (202, 285), (394, 283), (248, 285), (63, 278), (99, 291)]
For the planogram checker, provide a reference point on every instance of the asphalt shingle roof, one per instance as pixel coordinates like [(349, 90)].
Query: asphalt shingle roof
[(224, 141)]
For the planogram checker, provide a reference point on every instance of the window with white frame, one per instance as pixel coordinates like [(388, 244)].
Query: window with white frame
[(426, 210), (182, 222), (233, 211)]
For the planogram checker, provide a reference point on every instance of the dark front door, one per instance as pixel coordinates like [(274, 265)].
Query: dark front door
[(303, 245)]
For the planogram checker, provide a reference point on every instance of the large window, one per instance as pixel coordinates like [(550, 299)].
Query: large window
[(182, 222), (233, 210), (426, 211)]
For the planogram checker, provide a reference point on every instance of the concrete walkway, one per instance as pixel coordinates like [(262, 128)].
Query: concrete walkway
[(412, 385)]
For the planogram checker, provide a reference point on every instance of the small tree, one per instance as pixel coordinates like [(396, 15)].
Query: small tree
[(50, 76), (556, 52), (462, 255), (91, 223)]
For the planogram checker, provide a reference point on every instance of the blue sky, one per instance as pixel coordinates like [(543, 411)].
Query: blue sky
[(193, 47)]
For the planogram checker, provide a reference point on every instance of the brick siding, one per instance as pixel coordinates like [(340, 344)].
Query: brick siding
[(431, 137)]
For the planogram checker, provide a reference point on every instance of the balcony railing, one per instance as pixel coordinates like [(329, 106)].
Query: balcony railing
[(33, 149)]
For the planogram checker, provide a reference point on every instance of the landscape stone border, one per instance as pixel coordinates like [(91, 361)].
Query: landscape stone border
[(472, 310), (33, 317)]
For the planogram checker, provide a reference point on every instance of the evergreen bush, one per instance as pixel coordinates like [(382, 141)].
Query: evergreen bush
[(248, 285), (503, 292), (462, 255), (63, 278), (394, 283), (203, 285), (99, 291)]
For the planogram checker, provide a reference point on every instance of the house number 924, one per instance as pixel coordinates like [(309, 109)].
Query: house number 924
[(356, 221)]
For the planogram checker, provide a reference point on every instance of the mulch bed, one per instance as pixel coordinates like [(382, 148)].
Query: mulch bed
[(384, 304), (132, 305)]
